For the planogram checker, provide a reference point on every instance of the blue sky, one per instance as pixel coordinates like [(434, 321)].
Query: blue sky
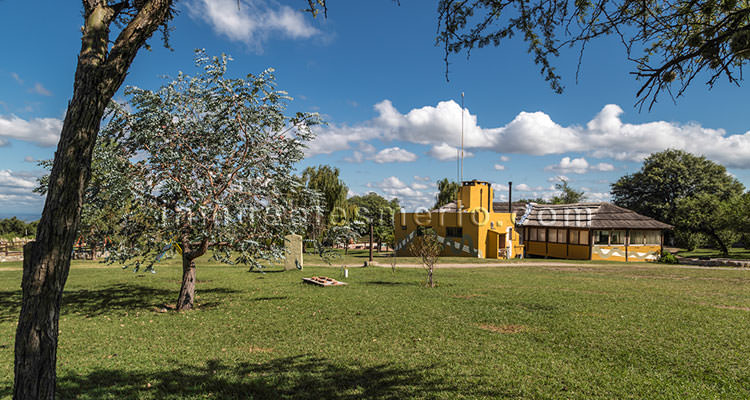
[(371, 69)]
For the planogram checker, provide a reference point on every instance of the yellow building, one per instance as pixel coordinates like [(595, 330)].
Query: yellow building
[(590, 231), (476, 226), (469, 227)]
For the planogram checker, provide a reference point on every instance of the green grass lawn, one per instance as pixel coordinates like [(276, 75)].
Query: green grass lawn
[(734, 253), (359, 257), (616, 331)]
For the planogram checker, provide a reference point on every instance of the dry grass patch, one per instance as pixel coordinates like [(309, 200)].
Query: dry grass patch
[(508, 329), (733, 308)]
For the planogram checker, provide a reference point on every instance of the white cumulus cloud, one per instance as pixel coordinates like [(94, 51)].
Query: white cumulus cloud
[(42, 131), (251, 21), (535, 133), (410, 197), (578, 166), (568, 166), (446, 152), (394, 154)]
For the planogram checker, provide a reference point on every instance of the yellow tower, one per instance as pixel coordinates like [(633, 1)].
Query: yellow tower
[(474, 195)]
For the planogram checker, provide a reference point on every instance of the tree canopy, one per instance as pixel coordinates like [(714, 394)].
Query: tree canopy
[(325, 180), (568, 195), (670, 41), (447, 192), (694, 194), (211, 167), (14, 227), (668, 176), (373, 209)]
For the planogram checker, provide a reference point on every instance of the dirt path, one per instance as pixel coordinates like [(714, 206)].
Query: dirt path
[(548, 264)]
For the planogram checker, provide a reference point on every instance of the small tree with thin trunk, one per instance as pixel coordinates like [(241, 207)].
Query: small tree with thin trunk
[(215, 157), (427, 247)]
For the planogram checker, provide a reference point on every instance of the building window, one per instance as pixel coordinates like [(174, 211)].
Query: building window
[(573, 237), (453, 231), (617, 237), (532, 233), (561, 236), (583, 238), (601, 237), (541, 235), (553, 236), (645, 237)]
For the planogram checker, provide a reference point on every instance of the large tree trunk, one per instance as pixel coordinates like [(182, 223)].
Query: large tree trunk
[(187, 289), (722, 246), (189, 254), (46, 263), (47, 259)]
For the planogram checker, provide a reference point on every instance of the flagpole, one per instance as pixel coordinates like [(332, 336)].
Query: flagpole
[(462, 137)]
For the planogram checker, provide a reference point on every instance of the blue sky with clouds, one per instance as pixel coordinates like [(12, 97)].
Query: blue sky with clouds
[(372, 70)]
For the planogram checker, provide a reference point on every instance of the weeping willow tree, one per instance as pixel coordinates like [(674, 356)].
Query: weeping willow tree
[(325, 180)]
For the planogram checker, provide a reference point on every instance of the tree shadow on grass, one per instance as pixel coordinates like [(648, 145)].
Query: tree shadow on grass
[(385, 283), (299, 377), (92, 302)]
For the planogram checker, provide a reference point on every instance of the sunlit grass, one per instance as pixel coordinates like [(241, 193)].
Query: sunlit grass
[(578, 331)]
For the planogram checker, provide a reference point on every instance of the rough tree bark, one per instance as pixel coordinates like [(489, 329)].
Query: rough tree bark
[(187, 288), (99, 73), (722, 246)]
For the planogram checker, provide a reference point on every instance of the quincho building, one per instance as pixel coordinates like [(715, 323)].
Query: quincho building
[(591, 231), (476, 226)]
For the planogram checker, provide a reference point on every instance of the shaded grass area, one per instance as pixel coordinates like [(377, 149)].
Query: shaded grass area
[(618, 331), (734, 253)]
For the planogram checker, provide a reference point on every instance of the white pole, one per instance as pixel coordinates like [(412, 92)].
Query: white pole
[(462, 137)]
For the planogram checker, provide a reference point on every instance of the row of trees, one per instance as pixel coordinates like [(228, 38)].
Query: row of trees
[(13, 227), (345, 219)]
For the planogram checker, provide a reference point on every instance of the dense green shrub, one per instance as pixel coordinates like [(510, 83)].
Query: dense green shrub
[(667, 258), (689, 240)]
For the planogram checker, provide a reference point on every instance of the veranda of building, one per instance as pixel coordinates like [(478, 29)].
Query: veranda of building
[(469, 227), (590, 231)]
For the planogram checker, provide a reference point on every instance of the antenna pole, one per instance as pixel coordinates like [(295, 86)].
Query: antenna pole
[(462, 136)]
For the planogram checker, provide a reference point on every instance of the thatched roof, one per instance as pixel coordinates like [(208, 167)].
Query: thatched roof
[(586, 215), (518, 207), (577, 215)]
